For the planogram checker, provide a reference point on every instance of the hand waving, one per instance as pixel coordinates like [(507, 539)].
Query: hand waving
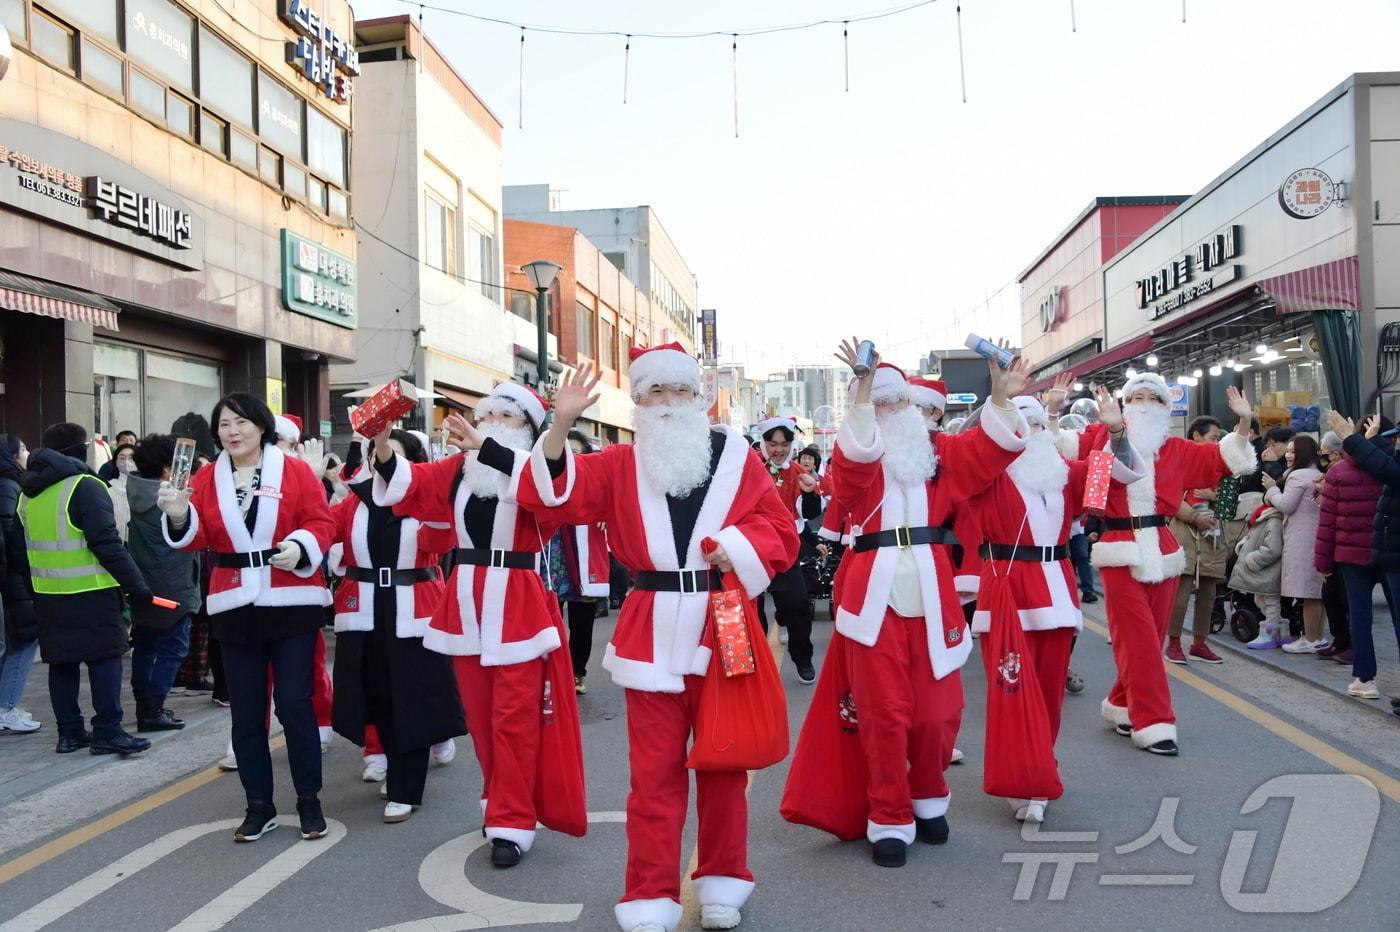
[(1341, 425), (1056, 394), (461, 434), (1010, 382), (577, 393), (1239, 403), (1110, 413)]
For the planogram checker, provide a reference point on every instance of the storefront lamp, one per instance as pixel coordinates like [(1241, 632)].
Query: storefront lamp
[(1131, 373), (1152, 361), (1229, 364), (1079, 386), (1216, 370), (1196, 374), (541, 274), (1260, 350)]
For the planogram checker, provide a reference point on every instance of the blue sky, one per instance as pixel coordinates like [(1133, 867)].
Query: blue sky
[(895, 210)]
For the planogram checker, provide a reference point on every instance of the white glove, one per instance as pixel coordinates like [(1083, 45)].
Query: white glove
[(313, 453), (173, 502), (287, 557)]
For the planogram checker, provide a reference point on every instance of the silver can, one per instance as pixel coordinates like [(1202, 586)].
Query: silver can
[(865, 359)]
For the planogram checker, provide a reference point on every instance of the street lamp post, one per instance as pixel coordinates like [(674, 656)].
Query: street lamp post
[(541, 273)]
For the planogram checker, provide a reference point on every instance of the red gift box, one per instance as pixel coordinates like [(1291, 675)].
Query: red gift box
[(732, 633), (384, 407), (1100, 471)]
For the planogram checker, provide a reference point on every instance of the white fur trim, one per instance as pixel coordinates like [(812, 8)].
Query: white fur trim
[(858, 424), (595, 590), (663, 366), (874, 832), (1046, 618), (281, 595), (525, 838), (393, 491), (186, 538), (1031, 409), (663, 911), (925, 397), (889, 384), (933, 807), (1114, 714), (285, 429), (1114, 553), (1149, 380), (1068, 443), (716, 890), (747, 565), (544, 483), (1238, 454), (314, 554), (967, 583), (523, 398), (1161, 731), (826, 533), (1005, 430), (773, 423)]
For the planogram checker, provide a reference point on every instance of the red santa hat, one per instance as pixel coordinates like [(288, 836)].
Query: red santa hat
[(510, 398), (890, 384), (1032, 409), (770, 424), (1149, 380), (667, 364), (928, 393), (288, 427)]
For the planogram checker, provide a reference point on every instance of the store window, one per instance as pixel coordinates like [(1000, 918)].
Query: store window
[(607, 344), (325, 147), (481, 246), (54, 41), (523, 306), (116, 375), (146, 391), (440, 233), (225, 79), (160, 36), (585, 332), (96, 17), (279, 116), (102, 69), (12, 17)]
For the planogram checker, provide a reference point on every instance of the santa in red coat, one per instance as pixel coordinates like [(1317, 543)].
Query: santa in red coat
[(1139, 557), (498, 620), (901, 635), (683, 481)]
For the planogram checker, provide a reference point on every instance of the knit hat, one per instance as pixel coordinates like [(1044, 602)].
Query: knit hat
[(510, 398), (67, 438), (667, 364), (1149, 380)]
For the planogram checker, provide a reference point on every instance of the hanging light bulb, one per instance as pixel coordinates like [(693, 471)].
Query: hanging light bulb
[(1152, 360), (1229, 364), (1131, 373), (1260, 350), (1216, 370), (1079, 386), (1197, 373)]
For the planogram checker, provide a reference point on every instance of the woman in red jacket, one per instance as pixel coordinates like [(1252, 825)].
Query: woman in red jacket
[(264, 516)]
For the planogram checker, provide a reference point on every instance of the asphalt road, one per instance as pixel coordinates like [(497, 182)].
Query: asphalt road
[(1280, 813)]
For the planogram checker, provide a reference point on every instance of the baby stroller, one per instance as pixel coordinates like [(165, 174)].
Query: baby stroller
[(1244, 617)]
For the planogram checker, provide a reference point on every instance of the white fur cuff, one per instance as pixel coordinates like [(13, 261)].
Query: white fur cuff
[(186, 538), (747, 565), (522, 837), (874, 832), (1161, 731), (314, 554), (933, 807), (1238, 454), (663, 911), (722, 891), (858, 437), (392, 491), (544, 483), (1114, 714)]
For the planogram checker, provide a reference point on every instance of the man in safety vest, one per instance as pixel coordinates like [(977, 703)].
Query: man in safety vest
[(78, 567)]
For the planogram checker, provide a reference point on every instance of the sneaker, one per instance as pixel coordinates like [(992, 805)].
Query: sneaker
[(504, 853), (932, 831), (1302, 646), (1363, 689), (1124, 729), (121, 743), (221, 703), (261, 819), (199, 686), (1165, 748), (18, 721), (889, 852), (806, 674), (313, 823), (229, 761), (1343, 657), (1329, 651), (1267, 638), (383, 791), (580, 687), (1174, 654), (957, 757), (648, 927), (376, 768), (782, 635), (715, 916), (397, 812), (1074, 683), (1203, 653), (1089, 598), (444, 752), (1031, 812)]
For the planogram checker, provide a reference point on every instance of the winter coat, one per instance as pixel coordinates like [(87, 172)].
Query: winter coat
[(171, 573), (1348, 509), (1297, 498), (86, 626), (1259, 568), (21, 626), (1378, 460)]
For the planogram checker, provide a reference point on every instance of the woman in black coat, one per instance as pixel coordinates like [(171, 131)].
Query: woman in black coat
[(21, 634)]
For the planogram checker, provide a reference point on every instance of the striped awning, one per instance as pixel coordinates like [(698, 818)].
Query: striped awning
[(1331, 286), (33, 296)]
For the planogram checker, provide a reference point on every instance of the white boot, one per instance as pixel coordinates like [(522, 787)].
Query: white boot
[(714, 916)]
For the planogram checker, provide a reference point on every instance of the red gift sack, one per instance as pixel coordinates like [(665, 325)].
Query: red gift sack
[(742, 721), (559, 782), (1020, 756)]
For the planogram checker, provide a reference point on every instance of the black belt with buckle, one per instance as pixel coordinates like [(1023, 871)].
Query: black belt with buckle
[(685, 582), (386, 577), (1028, 552), (501, 559), (904, 538), (1136, 523), (243, 560)]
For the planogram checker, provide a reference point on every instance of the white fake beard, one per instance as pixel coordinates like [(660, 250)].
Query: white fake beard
[(482, 480), (1040, 468), (1147, 423), (673, 445), (909, 452)]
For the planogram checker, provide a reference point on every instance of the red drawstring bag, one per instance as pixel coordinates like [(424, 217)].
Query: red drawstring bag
[(1020, 757), (560, 802), (742, 721)]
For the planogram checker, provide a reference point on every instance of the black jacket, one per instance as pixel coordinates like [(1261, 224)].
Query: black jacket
[(20, 624), (1379, 461), (171, 573), (88, 625)]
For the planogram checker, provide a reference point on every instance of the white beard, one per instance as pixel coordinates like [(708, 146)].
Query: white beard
[(909, 453), (482, 480), (1147, 423), (673, 446), (1040, 468)]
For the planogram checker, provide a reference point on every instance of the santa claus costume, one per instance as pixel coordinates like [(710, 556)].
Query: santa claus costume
[(930, 396), (901, 636), (1139, 557), (391, 692), (501, 625), (683, 481)]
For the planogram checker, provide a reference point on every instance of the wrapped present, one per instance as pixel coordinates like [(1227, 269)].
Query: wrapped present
[(1227, 499), (731, 633), (384, 407), (1096, 480)]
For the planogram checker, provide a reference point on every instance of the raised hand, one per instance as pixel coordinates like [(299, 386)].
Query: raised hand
[(806, 482), (577, 393), (461, 433), (1341, 425), (382, 451), (1056, 394), (847, 354), (1239, 403), (1110, 413), (1010, 382), (1372, 426)]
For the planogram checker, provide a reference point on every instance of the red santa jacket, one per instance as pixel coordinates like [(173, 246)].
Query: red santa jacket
[(657, 639), (291, 506), (501, 614), (1153, 553), (967, 463), (420, 545)]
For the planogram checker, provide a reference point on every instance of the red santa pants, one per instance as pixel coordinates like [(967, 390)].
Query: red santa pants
[(1138, 617), (503, 706), (659, 727), (908, 723)]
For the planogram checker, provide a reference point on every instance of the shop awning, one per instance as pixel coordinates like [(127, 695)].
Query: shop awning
[(1134, 347), (1331, 286), (455, 397), (32, 296)]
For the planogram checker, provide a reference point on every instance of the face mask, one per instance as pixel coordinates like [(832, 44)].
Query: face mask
[(126, 466)]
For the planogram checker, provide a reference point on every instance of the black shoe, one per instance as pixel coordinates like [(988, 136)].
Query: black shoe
[(504, 853), (889, 852), (199, 686), (806, 674), (122, 744), (1089, 597), (932, 831), (261, 819), (313, 824), (67, 744), (1395, 702), (1166, 748), (1124, 730), (162, 719)]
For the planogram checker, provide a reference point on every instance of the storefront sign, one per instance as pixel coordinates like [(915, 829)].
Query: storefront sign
[(1053, 310), (1306, 193), (1174, 281), (274, 395), (962, 398), (709, 339), (317, 281), (327, 59), (125, 207), (1181, 399)]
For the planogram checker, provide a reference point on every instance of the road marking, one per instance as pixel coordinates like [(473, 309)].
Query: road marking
[(1270, 721), (214, 915), (65, 843), (442, 876)]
